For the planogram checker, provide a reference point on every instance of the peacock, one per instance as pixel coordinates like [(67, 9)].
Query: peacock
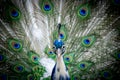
[(59, 39)]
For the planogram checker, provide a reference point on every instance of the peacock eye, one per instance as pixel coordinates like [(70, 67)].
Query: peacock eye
[(88, 41), (63, 33), (34, 58), (83, 12), (14, 13), (50, 52), (85, 65), (106, 74), (15, 45), (54, 48), (63, 46), (68, 58), (47, 7), (2, 58), (19, 68), (116, 54)]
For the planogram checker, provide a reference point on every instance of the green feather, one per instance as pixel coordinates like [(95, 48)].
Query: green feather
[(2, 58), (83, 11), (13, 14), (38, 70), (75, 77), (84, 65), (34, 57), (10, 12), (106, 74), (47, 6), (88, 41), (19, 68), (15, 45), (49, 52), (116, 54), (63, 33), (30, 77), (68, 58)]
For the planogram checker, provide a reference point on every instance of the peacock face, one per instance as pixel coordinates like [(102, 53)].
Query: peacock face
[(59, 47), (59, 51)]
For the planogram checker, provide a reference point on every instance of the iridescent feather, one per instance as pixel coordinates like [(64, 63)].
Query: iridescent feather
[(88, 39)]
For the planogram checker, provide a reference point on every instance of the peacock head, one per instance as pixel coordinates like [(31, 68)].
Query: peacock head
[(59, 47)]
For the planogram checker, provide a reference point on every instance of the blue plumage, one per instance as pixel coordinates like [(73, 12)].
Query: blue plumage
[(58, 43)]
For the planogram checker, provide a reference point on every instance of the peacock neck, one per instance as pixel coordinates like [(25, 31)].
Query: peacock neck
[(60, 60), (61, 64)]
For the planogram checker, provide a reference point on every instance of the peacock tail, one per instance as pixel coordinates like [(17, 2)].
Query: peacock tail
[(90, 30)]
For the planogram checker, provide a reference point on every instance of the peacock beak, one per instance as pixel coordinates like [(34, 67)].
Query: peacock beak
[(59, 52)]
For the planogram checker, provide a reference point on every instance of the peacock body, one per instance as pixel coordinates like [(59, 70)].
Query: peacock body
[(59, 39)]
